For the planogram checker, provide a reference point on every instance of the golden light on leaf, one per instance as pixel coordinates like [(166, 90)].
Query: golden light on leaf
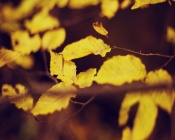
[(23, 100), (85, 79), (23, 43), (121, 69), (148, 104), (7, 56), (62, 3), (41, 21), (170, 36), (25, 61), (66, 70), (50, 101), (98, 26), (84, 47), (109, 8), (53, 39), (80, 4), (140, 3)]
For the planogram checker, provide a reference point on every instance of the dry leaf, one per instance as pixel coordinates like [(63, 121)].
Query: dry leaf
[(98, 26)]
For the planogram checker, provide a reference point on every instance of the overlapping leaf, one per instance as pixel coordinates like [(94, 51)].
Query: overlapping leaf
[(148, 102), (85, 79), (66, 70), (18, 96), (54, 99), (84, 47), (24, 43), (140, 3), (25, 61), (53, 39), (7, 56), (121, 69)]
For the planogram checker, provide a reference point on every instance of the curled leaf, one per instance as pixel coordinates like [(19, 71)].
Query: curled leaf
[(7, 56), (85, 79), (98, 26), (84, 47), (53, 39), (51, 101), (23, 100), (25, 44), (66, 70), (121, 69)]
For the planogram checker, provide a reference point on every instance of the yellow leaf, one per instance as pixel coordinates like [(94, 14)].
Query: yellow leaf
[(66, 70), (80, 4), (25, 61), (23, 43), (84, 47), (170, 36), (41, 22), (109, 7), (24, 102), (53, 39), (163, 98), (140, 3), (62, 3), (126, 134), (7, 56), (85, 79), (145, 119), (121, 69), (50, 101), (128, 101), (98, 26), (125, 4)]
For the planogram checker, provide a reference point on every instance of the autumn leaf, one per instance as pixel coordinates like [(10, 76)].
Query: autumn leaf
[(121, 69), (50, 101), (149, 101), (41, 21), (80, 4), (66, 70), (98, 26), (140, 3), (62, 3), (109, 8), (23, 99), (7, 56), (23, 43), (25, 61), (170, 36), (84, 47), (53, 39), (85, 79)]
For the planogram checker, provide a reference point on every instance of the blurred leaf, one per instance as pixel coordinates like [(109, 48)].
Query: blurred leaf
[(147, 112), (121, 69), (126, 134), (25, 44), (41, 21), (98, 26), (80, 4), (125, 4), (85, 79), (140, 3), (66, 70), (170, 36), (23, 100), (7, 56), (50, 102), (53, 39), (84, 47), (109, 7), (62, 3), (25, 61)]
